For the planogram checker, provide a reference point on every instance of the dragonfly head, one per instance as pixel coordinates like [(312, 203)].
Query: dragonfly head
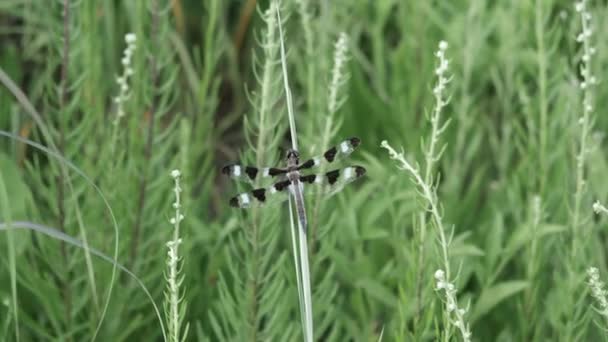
[(293, 156)]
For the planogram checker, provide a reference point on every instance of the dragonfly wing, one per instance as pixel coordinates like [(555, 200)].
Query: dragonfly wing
[(332, 181), (327, 184), (340, 151), (277, 193), (251, 174)]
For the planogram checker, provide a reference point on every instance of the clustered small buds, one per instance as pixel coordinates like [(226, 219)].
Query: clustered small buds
[(456, 314), (433, 154), (123, 80), (588, 80), (584, 38), (173, 252), (176, 174), (174, 299), (338, 75), (440, 71), (599, 208), (597, 290)]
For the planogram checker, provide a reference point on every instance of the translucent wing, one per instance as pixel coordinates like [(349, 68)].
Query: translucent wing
[(277, 193), (328, 183), (332, 181), (335, 153), (251, 174)]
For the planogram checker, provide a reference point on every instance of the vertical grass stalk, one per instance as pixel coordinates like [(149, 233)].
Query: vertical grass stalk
[(147, 153), (61, 178), (335, 100), (5, 213), (311, 82), (304, 284), (541, 57)]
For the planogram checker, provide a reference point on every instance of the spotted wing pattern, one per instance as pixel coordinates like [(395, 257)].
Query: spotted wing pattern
[(337, 152), (332, 181), (251, 174), (277, 193), (328, 183)]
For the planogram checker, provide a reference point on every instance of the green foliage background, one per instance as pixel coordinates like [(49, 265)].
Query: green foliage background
[(207, 90)]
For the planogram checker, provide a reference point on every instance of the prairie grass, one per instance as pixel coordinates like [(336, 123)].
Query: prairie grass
[(495, 232)]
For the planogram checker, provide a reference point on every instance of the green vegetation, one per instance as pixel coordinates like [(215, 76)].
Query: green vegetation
[(481, 218)]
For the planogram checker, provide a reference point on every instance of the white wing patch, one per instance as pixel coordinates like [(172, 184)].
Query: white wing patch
[(237, 171), (349, 172), (344, 147), (244, 201)]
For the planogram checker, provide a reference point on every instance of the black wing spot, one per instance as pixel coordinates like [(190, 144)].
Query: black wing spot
[(355, 141), (359, 171), (227, 170), (251, 172), (308, 179), (234, 202), (280, 186), (273, 171), (330, 154), (307, 164), (259, 194), (332, 176)]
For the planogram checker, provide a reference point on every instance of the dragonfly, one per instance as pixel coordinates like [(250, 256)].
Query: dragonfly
[(290, 181)]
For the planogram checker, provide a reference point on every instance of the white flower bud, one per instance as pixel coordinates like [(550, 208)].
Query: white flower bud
[(130, 38)]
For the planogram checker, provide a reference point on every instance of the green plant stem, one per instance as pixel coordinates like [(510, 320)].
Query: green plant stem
[(64, 284), (302, 221), (12, 264), (143, 184), (542, 85), (580, 158)]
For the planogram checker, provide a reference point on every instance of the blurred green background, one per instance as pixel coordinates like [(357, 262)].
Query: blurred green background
[(515, 183)]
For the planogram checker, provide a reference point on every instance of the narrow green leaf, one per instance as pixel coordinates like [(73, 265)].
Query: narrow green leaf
[(491, 296), (378, 291)]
